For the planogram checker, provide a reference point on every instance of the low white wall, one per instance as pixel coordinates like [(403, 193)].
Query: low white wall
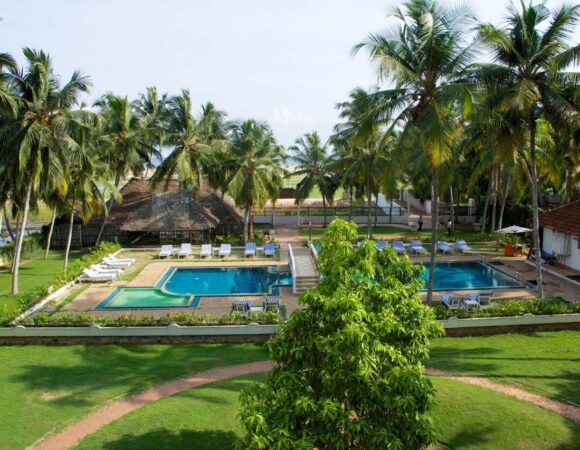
[(526, 319), (318, 220), (557, 243)]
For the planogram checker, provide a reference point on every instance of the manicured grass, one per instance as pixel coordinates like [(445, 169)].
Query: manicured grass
[(465, 417), (545, 363), (32, 275), (44, 388)]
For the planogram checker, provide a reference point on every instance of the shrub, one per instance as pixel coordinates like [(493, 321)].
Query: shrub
[(348, 370)]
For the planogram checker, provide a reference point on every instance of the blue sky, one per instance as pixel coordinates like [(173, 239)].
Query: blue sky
[(286, 62)]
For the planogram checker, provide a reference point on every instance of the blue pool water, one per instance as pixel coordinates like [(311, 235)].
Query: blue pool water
[(224, 280), (469, 275)]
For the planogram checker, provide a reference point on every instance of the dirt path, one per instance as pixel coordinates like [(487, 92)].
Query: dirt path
[(563, 409), (114, 410)]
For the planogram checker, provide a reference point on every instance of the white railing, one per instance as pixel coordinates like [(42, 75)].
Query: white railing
[(292, 264), (313, 250)]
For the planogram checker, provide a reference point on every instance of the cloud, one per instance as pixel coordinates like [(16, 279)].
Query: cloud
[(285, 117)]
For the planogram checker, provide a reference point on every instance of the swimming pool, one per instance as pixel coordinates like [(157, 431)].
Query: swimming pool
[(127, 298), (224, 280), (469, 275)]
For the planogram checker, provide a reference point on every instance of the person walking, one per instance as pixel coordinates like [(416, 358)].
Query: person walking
[(449, 227), (420, 223)]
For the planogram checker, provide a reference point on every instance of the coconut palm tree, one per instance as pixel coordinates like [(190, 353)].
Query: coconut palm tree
[(39, 130), (426, 57), (314, 164), (193, 142), (255, 167), (125, 142), (529, 79), (8, 101), (361, 134)]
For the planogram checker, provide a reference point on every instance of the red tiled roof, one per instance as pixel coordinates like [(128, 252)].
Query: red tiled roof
[(565, 219)]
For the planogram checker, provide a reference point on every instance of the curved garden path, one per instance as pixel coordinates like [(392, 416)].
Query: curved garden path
[(114, 410)]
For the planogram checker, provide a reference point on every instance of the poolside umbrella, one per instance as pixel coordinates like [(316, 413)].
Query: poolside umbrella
[(514, 229)]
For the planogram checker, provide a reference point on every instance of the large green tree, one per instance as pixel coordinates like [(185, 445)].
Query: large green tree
[(255, 167), (529, 79), (426, 56), (348, 367), (37, 135)]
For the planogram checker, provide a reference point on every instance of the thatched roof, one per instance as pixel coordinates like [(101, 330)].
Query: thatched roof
[(167, 208)]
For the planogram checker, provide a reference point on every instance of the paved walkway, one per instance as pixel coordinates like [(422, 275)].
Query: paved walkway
[(114, 410)]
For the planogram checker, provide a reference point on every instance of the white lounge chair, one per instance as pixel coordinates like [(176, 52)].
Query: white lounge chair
[(270, 249), (452, 301), (399, 247), (206, 250), (116, 264), (444, 247), (184, 251), (417, 247), (91, 275), (462, 246), (381, 244), (483, 297), (166, 251), (114, 258), (225, 250), (250, 249), (106, 269), (471, 301)]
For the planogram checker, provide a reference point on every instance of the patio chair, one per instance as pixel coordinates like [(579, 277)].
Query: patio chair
[(125, 260), (115, 264), (242, 306), (185, 251), (483, 297), (105, 269), (417, 247), (225, 250), (93, 276), (206, 250), (452, 301), (547, 258), (270, 249), (444, 247), (471, 301), (271, 304), (166, 251), (399, 247), (462, 246), (250, 249), (381, 244)]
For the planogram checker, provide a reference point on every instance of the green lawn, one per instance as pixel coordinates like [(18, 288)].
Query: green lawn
[(32, 275), (465, 417), (44, 388), (545, 363)]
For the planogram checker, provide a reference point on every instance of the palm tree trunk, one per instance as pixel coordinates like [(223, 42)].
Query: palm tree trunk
[(14, 249), (246, 222), (487, 196), (495, 177), (369, 199), (391, 211), (535, 218), (8, 227), (20, 235), (503, 202), (50, 230), (69, 237), (434, 227), (109, 209), (350, 204), (451, 205), (324, 209), (376, 207)]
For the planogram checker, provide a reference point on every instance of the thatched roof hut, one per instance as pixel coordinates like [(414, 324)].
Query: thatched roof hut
[(165, 213)]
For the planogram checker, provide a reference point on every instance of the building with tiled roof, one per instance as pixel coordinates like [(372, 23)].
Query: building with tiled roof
[(561, 234)]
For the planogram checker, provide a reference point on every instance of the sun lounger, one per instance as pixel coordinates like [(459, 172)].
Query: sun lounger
[(206, 250), (482, 298), (93, 276), (417, 247), (270, 249), (105, 269), (451, 301), (225, 250), (114, 258), (166, 251), (116, 264), (271, 304), (471, 301), (444, 247), (184, 250), (545, 256), (242, 306), (250, 249), (399, 247), (462, 246), (381, 244)]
